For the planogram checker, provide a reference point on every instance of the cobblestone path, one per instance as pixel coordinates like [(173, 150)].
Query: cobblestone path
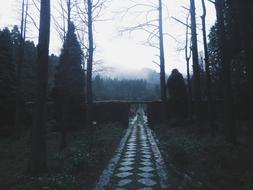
[(137, 164)]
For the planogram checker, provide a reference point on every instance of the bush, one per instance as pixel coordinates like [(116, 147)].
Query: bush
[(59, 182)]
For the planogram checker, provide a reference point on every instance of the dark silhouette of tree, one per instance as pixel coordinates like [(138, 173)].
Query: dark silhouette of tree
[(162, 60), (68, 93), (229, 120), (7, 79), (196, 69), (207, 71), (38, 148), (188, 55), (177, 94), (20, 60), (244, 20), (90, 60)]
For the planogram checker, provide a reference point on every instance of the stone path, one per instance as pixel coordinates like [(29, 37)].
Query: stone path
[(137, 164)]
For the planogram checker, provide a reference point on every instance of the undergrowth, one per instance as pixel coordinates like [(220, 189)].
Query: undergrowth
[(201, 161)]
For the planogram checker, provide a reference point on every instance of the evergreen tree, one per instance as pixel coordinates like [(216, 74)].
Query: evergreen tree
[(7, 78), (177, 94), (68, 92)]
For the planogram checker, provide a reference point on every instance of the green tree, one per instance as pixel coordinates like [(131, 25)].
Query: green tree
[(7, 79), (68, 92), (177, 93)]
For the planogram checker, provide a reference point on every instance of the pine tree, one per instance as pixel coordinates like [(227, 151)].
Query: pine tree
[(68, 93), (177, 94), (7, 78)]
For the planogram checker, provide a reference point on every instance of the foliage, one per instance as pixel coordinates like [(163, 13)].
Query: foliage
[(209, 162), (68, 92), (177, 93), (7, 78), (58, 182), (125, 89)]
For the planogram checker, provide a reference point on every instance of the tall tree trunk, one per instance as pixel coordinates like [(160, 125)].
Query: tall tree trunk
[(187, 58), (207, 68), (38, 147), (229, 120), (162, 62), (243, 13), (196, 68), (69, 12), (19, 70), (89, 63)]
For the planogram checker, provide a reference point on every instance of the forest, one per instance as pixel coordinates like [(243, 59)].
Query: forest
[(67, 124)]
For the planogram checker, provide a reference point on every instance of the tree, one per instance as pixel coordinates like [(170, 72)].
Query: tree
[(196, 69), (155, 38), (38, 147), (177, 93), (20, 60), (188, 54), (162, 60), (207, 71), (68, 93), (7, 79), (244, 19), (90, 60), (88, 12), (229, 120)]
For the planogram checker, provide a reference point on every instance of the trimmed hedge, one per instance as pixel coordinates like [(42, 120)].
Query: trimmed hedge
[(111, 111)]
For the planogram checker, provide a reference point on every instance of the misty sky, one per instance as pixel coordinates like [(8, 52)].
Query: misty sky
[(124, 51)]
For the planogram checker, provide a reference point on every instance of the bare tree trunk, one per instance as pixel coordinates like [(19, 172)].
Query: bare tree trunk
[(196, 68), (89, 63), (69, 12), (229, 120), (20, 68), (162, 62), (187, 58), (38, 147), (207, 68)]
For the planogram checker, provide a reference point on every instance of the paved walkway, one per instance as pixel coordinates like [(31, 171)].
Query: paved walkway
[(137, 164)]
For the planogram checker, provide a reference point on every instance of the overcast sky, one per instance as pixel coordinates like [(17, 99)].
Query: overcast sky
[(126, 52)]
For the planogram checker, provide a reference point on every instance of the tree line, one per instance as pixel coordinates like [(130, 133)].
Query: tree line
[(124, 89)]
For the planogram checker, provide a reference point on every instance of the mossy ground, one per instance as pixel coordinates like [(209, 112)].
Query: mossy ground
[(197, 160), (77, 167)]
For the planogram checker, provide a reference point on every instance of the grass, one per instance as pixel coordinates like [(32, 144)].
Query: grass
[(77, 167), (200, 161)]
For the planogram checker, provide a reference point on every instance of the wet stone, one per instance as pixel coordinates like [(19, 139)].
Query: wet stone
[(147, 182), (130, 152), (121, 189), (129, 156), (124, 182), (146, 169), (145, 160), (146, 163), (146, 152), (131, 144), (146, 175), (128, 159), (146, 188), (123, 174), (126, 163), (125, 168), (146, 156)]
